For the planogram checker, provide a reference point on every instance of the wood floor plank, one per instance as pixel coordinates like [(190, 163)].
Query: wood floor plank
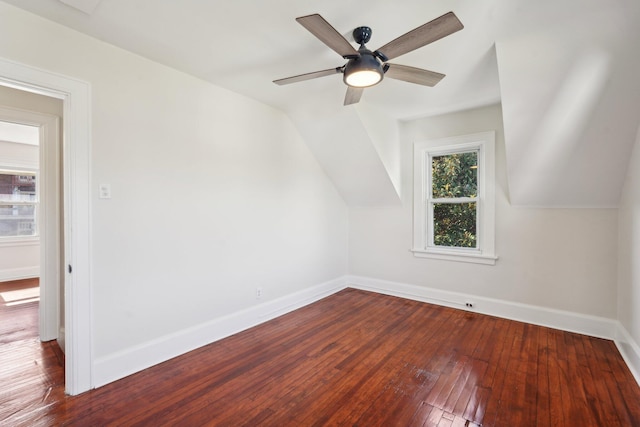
[(620, 385), (357, 397), (543, 399), (477, 370), (596, 396), (483, 329), (495, 380), (557, 380), (426, 368), (512, 397), (529, 357), (354, 358), (476, 407), (421, 415)]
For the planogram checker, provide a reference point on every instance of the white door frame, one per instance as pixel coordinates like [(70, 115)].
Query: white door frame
[(76, 95), (48, 214)]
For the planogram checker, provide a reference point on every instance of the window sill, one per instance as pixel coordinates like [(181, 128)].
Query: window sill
[(471, 257), (6, 242)]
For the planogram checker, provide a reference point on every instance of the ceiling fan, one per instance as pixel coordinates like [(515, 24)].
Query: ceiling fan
[(365, 68)]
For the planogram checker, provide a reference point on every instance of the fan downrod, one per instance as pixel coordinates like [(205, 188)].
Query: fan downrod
[(362, 35)]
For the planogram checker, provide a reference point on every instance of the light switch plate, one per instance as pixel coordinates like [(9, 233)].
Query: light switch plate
[(105, 191)]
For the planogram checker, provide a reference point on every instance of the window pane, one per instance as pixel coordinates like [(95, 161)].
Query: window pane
[(17, 204), (454, 224), (455, 175), (17, 220), (17, 187)]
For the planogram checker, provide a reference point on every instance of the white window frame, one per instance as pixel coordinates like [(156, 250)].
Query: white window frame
[(423, 246)]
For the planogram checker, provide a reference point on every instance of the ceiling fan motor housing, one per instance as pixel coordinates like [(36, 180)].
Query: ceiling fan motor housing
[(362, 35)]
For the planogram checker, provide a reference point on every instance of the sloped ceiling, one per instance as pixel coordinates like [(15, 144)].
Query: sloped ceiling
[(571, 103), (565, 72)]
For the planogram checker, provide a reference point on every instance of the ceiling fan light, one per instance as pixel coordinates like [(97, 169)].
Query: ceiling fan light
[(363, 78), (363, 71)]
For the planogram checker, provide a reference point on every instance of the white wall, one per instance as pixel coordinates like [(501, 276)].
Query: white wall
[(383, 132), (629, 250), (556, 258), (213, 194)]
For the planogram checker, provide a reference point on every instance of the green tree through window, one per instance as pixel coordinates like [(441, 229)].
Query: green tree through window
[(454, 188)]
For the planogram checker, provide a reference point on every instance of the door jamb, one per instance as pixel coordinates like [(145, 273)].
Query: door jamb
[(76, 95)]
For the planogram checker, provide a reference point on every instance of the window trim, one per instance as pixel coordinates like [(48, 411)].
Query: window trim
[(423, 246)]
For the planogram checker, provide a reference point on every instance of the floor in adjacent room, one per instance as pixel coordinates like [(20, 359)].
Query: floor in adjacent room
[(31, 372)]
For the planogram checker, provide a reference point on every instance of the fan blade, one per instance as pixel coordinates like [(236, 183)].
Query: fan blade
[(308, 76), (428, 33), (413, 75), (328, 35), (353, 95)]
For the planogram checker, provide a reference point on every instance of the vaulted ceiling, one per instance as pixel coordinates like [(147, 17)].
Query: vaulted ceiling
[(565, 71)]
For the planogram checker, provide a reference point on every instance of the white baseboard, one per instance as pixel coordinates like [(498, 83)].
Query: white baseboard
[(558, 319), (19, 273), (121, 364), (629, 349), (126, 362)]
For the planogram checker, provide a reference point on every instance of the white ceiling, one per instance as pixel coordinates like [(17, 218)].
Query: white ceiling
[(540, 58), (245, 46)]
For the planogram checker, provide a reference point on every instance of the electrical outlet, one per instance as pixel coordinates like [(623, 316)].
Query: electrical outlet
[(469, 304), (258, 293)]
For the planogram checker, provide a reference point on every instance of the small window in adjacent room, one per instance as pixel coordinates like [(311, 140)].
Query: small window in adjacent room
[(454, 192), (18, 204)]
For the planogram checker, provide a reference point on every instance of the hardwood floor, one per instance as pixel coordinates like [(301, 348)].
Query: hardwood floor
[(354, 358), (31, 372)]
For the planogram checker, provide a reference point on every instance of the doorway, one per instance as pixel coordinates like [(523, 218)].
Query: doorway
[(30, 235), (75, 95)]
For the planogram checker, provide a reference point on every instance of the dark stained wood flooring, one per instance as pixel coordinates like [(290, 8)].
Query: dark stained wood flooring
[(31, 372), (354, 359)]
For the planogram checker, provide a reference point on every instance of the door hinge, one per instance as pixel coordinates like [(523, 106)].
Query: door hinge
[(70, 269)]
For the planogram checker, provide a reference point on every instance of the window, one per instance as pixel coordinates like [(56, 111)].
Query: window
[(454, 192), (18, 203)]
